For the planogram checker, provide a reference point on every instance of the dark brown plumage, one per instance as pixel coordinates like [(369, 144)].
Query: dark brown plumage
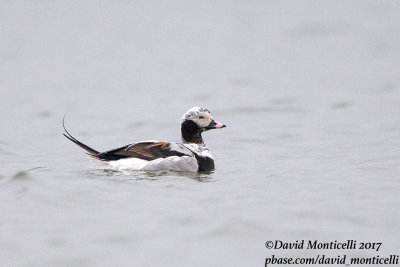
[(194, 122), (142, 150)]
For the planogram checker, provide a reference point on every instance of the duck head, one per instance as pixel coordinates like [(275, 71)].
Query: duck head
[(195, 121)]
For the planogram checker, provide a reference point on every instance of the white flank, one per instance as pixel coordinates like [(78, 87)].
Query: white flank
[(174, 163)]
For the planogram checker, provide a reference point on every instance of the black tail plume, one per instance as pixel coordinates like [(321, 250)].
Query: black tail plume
[(90, 150)]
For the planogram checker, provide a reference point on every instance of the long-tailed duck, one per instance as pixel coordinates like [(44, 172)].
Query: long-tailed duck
[(190, 155)]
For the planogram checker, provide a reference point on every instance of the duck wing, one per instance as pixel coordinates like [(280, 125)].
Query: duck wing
[(142, 150), (147, 150)]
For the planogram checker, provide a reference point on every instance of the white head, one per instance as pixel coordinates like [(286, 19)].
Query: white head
[(195, 121), (201, 116)]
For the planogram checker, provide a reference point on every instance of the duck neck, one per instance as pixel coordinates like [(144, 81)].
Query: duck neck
[(191, 133)]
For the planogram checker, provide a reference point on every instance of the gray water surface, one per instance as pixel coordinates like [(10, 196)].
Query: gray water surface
[(309, 91)]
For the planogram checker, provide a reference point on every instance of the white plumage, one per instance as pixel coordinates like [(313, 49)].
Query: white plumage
[(191, 155)]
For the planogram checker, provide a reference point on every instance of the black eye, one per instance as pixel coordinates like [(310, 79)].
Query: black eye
[(201, 117)]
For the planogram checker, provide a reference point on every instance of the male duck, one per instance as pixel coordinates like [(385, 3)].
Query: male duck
[(190, 155)]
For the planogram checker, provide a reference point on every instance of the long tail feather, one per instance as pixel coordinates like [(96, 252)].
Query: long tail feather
[(90, 150)]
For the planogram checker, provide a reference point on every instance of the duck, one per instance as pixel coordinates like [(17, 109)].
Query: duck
[(189, 155)]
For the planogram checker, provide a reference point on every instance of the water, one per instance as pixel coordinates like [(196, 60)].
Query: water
[(309, 91)]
